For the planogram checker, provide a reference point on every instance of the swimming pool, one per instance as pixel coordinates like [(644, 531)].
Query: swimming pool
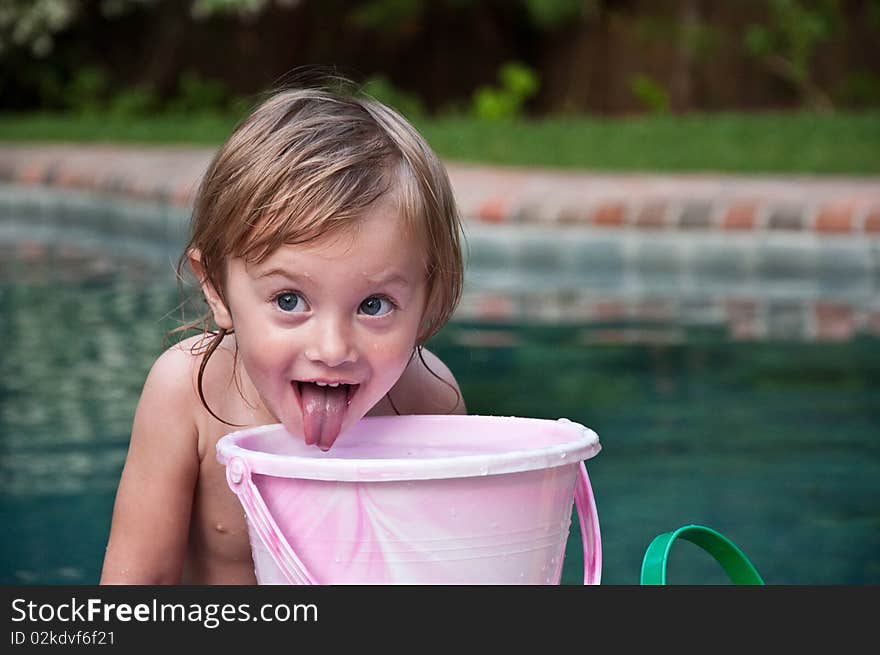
[(744, 396)]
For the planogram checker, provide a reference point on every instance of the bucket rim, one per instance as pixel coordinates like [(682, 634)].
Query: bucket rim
[(584, 444)]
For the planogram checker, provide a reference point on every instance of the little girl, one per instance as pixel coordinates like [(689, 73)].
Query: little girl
[(325, 238)]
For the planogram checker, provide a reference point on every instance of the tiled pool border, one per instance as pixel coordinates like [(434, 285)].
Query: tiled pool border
[(634, 285)]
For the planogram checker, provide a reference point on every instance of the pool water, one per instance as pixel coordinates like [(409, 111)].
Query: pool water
[(774, 444), (773, 441)]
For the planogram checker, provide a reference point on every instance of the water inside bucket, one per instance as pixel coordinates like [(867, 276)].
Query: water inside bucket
[(416, 500)]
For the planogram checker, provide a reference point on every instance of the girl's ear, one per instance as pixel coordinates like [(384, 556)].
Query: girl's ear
[(222, 317)]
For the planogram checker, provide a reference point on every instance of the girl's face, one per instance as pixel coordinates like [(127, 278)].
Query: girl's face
[(325, 329)]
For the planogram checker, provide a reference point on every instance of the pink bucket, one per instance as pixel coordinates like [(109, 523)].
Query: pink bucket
[(417, 500)]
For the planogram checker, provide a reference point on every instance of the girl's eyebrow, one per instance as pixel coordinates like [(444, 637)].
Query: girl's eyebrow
[(390, 278), (279, 272)]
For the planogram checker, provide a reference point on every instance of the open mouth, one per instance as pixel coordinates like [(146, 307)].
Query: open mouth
[(304, 389)]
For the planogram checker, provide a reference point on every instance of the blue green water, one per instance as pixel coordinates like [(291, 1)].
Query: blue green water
[(774, 442)]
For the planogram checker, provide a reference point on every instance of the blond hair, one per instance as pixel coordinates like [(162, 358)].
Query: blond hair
[(307, 162)]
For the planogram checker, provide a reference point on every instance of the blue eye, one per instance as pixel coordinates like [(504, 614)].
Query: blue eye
[(375, 306), (290, 302)]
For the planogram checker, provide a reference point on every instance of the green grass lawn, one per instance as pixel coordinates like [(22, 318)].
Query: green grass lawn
[(841, 143)]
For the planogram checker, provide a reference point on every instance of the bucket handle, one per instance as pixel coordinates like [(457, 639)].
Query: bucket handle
[(589, 522), (238, 476), (734, 562)]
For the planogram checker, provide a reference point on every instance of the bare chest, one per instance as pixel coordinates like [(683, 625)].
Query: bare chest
[(219, 549)]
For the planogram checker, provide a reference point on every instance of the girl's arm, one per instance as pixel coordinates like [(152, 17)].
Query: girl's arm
[(150, 525)]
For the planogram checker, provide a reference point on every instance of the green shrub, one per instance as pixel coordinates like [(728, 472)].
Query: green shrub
[(787, 42), (518, 83), (135, 102), (650, 94), (196, 94), (87, 92), (552, 14)]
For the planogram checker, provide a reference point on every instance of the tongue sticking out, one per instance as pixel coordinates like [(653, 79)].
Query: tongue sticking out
[(323, 410)]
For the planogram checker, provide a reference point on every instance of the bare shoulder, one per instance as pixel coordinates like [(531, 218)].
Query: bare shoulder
[(174, 372), (178, 366), (427, 386), (173, 378), (169, 392)]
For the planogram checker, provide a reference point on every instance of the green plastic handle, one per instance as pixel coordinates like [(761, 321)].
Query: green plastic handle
[(734, 562)]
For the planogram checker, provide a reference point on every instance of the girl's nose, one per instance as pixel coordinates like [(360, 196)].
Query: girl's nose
[(331, 345)]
